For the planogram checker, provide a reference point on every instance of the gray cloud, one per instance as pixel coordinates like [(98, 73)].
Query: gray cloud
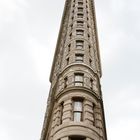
[(28, 34)]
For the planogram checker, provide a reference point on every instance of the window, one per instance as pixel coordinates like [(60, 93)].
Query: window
[(67, 60), (79, 44), (80, 9), (77, 110), (89, 49), (93, 107), (80, 23), (79, 58), (88, 37), (78, 79), (80, 15), (69, 47), (71, 26), (72, 17), (91, 83), (80, 3), (77, 138), (80, 32), (90, 62), (65, 82), (70, 35), (61, 112)]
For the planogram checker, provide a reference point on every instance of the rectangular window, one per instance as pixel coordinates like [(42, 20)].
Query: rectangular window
[(93, 107), (79, 44), (79, 58), (61, 112), (89, 49), (67, 60), (79, 79), (65, 82), (80, 23), (91, 83), (70, 35), (77, 138), (90, 62), (72, 17), (77, 110), (69, 47), (80, 9), (80, 3), (80, 15), (80, 32), (71, 26), (88, 37)]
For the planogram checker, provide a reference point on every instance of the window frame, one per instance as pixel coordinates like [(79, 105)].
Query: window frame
[(80, 111), (79, 76), (79, 44), (80, 15), (80, 32), (80, 23), (79, 58)]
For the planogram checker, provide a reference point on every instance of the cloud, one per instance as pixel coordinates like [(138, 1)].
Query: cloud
[(28, 35), (10, 8)]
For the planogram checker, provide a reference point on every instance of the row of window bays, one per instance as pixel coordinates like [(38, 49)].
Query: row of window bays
[(79, 51), (79, 79), (77, 109), (80, 3), (80, 10)]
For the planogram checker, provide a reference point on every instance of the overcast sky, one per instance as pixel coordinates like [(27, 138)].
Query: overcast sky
[(28, 34)]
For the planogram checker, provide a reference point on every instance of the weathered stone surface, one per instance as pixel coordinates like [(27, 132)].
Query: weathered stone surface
[(75, 77)]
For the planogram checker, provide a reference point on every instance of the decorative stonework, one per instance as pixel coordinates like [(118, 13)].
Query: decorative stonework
[(75, 107)]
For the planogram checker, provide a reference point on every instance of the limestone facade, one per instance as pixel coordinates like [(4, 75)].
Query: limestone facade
[(75, 107)]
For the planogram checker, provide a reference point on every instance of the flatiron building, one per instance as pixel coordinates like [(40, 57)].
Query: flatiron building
[(75, 105)]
